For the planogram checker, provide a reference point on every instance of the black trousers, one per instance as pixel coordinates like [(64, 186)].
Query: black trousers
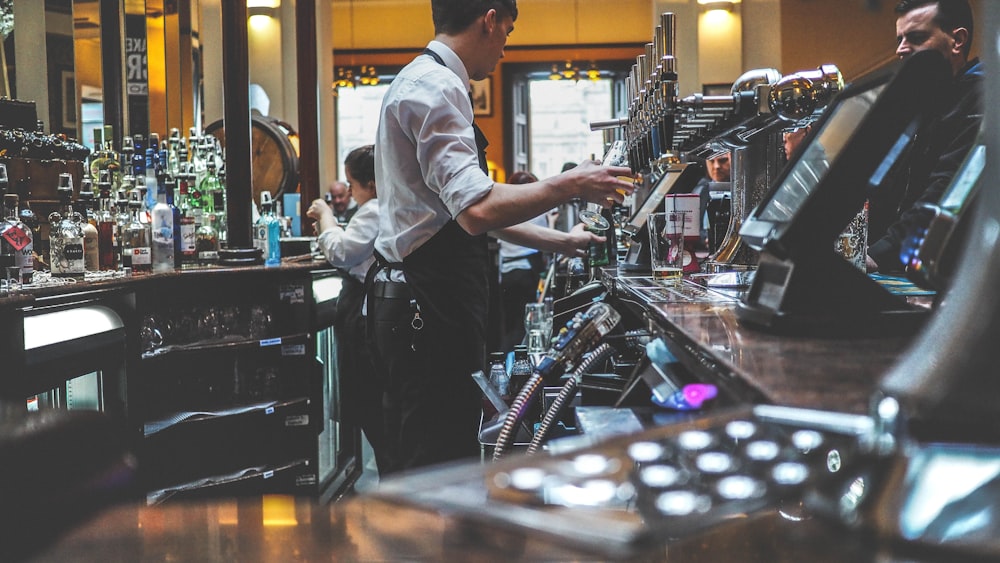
[(432, 406)]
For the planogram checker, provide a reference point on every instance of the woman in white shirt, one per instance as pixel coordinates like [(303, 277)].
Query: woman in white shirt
[(351, 249)]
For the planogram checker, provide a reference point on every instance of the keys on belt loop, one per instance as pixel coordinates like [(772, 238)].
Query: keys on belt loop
[(417, 323)]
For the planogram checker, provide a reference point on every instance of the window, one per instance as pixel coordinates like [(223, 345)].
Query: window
[(357, 119), (560, 115)]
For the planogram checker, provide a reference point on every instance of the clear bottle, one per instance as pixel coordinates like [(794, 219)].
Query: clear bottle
[(267, 232), (162, 229), (521, 370), (187, 226), (122, 219), (107, 227), (149, 196), (207, 241), (104, 156), (91, 239), (26, 214), (66, 233), (17, 240), (497, 377), (136, 247), (498, 374)]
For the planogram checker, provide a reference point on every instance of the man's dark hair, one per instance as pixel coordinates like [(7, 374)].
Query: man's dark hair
[(361, 164), (453, 16), (951, 14), (522, 177)]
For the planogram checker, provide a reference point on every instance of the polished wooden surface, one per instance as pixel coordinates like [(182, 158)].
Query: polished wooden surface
[(363, 529)]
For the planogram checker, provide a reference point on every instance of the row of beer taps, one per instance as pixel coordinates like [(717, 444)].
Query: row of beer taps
[(661, 126)]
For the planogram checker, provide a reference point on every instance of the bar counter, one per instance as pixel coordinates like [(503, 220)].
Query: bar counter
[(827, 373), (837, 374)]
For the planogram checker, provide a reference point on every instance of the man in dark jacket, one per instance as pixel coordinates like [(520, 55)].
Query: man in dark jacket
[(945, 26)]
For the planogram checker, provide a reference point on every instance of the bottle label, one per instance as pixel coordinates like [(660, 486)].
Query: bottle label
[(187, 236), (17, 237), (67, 255), (141, 256), (164, 234)]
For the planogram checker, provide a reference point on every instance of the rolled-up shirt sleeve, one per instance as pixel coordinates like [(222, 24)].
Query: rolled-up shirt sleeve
[(446, 149), (352, 248)]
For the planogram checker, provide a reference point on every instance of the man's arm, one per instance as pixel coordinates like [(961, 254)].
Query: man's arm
[(573, 243), (509, 204)]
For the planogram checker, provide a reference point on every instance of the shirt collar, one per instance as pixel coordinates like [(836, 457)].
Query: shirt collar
[(451, 60)]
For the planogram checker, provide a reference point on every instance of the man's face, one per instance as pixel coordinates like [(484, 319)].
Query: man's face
[(916, 31), (792, 140), (718, 168), (340, 197), (500, 27)]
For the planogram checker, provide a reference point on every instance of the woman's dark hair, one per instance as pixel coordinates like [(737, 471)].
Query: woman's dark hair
[(951, 15), (522, 177), (453, 16), (360, 163)]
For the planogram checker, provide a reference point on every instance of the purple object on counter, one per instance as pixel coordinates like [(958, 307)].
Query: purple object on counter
[(690, 398)]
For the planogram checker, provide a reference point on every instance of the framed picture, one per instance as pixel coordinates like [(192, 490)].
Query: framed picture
[(482, 96)]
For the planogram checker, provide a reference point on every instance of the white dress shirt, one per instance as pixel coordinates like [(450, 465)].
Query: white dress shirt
[(352, 248), (426, 160), (509, 250)]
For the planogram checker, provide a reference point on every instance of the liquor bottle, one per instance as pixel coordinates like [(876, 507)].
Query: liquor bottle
[(149, 197), (208, 198), (172, 160), (162, 217), (17, 239), (140, 184), (186, 223), (136, 247), (267, 232), (499, 380), (137, 166), (91, 242), (122, 219), (66, 233), (107, 227), (99, 159), (207, 241), (23, 191)]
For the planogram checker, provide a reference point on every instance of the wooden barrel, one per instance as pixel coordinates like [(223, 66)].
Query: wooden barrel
[(275, 155)]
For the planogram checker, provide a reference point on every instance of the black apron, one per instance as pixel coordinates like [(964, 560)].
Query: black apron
[(432, 403)]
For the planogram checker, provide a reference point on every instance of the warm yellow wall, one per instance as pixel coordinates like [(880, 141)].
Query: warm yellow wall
[(392, 24)]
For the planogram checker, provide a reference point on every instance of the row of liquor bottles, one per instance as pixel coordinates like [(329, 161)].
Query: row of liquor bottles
[(166, 213)]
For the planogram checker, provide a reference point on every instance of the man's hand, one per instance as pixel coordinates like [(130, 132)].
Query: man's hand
[(322, 213), (601, 184), (578, 239)]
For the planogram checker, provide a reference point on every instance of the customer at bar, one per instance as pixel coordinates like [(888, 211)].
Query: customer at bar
[(342, 202), (437, 204), (945, 26), (520, 269), (350, 248)]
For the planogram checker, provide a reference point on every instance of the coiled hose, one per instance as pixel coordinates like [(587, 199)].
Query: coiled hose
[(565, 394), (516, 413)]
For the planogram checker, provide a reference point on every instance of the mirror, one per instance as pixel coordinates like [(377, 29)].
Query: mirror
[(160, 58)]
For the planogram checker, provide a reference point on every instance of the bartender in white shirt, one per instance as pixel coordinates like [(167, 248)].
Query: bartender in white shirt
[(351, 248), (437, 204)]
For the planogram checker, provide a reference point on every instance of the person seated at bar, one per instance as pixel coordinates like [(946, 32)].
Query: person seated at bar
[(351, 248), (520, 269), (342, 203), (791, 140), (945, 26)]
